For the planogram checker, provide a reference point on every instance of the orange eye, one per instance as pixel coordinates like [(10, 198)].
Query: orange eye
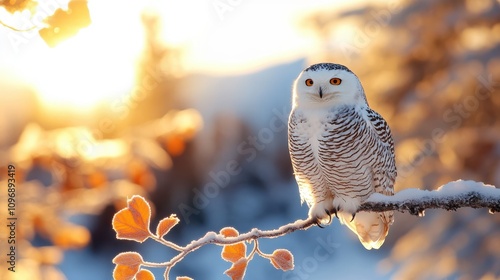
[(309, 82), (335, 81)]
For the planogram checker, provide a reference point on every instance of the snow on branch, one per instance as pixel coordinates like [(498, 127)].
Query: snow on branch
[(450, 196), (133, 223)]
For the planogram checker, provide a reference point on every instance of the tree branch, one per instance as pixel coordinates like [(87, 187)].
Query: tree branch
[(219, 239), (451, 196)]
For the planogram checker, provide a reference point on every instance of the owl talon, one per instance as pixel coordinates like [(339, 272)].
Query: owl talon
[(329, 215), (353, 215), (335, 211), (319, 224)]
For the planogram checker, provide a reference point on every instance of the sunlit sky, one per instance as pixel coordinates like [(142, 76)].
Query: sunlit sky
[(217, 37)]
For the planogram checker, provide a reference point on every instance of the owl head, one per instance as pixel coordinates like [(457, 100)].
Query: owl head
[(325, 85)]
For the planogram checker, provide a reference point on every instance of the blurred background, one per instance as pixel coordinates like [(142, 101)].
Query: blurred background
[(186, 103)]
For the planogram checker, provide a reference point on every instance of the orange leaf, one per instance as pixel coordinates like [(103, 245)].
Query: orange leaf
[(229, 232), (128, 258), (132, 223), (183, 278), (64, 24), (165, 225), (282, 259), (127, 265), (125, 272), (18, 6), (237, 271), (144, 274), (232, 253)]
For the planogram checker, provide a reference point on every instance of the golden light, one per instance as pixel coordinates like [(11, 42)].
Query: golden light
[(96, 65), (235, 37)]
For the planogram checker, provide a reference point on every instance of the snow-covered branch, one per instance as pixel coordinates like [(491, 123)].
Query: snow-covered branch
[(450, 196), (133, 223), (220, 239)]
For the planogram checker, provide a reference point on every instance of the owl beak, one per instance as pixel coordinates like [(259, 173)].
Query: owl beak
[(320, 92)]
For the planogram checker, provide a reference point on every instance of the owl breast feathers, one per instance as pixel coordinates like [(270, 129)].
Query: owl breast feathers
[(341, 150)]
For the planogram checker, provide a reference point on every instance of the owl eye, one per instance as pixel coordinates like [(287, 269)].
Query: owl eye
[(335, 81), (309, 82)]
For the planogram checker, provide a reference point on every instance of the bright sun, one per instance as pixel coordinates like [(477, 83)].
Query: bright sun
[(99, 63), (96, 65)]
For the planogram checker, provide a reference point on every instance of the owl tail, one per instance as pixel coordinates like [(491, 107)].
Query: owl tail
[(371, 227)]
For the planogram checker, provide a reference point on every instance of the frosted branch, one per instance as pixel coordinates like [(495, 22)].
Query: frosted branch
[(451, 196), (254, 234)]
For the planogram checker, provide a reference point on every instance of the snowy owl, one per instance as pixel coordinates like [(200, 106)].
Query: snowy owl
[(341, 150)]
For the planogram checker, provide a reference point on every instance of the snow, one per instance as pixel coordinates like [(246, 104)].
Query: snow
[(209, 236), (461, 186), (450, 190)]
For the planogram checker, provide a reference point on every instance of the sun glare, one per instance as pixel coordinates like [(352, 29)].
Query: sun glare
[(99, 63), (94, 66), (229, 37), (237, 37)]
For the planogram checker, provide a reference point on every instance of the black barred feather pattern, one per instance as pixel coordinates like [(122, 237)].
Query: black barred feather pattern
[(341, 162), (355, 155)]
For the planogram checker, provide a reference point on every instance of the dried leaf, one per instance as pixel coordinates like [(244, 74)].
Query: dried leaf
[(237, 271), (232, 253), (282, 259), (19, 5), (65, 23), (229, 232), (125, 272), (127, 265), (128, 258), (132, 223), (165, 225), (144, 274)]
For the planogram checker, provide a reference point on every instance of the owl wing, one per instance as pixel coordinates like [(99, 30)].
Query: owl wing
[(385, 171), (369, 163)]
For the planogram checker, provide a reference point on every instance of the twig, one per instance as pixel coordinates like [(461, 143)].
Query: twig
[(16, 29), (219, 239)]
